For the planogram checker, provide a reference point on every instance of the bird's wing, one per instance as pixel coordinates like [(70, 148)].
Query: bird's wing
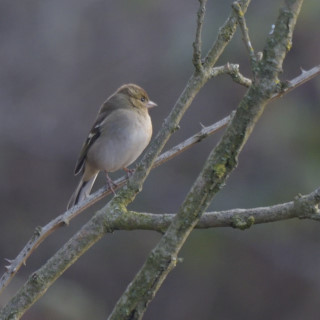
[(94, 133)]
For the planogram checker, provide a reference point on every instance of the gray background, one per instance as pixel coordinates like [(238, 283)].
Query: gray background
[(60, 60)]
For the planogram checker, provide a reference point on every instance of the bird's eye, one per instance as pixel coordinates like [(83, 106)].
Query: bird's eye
[(143, 99)]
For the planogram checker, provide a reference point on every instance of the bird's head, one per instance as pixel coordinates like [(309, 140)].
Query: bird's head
[(137, 96)]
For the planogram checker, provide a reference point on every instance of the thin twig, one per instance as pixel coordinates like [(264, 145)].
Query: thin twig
[(225, 34), (305, 76), (198, 42), (232, 70), (244, 30), (284, 87), (204, 133)]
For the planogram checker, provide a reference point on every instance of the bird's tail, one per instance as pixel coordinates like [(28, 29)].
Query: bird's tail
[(82, 192)]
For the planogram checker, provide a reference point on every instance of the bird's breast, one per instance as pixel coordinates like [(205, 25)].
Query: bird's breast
[(124, 136)]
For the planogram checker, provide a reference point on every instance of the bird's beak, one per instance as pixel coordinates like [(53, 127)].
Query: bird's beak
[(151, 104)]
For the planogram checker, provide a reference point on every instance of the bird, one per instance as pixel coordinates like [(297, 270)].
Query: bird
[(120, 133)]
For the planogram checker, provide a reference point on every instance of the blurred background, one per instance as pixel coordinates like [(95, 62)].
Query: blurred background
[(60, 60)]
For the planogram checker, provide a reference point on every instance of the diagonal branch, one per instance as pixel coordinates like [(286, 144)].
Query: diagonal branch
[(92, 231), (244, 30), (194, 85), (225, 34), (96, 227), (219, 165), (198, 43), (41, 233)]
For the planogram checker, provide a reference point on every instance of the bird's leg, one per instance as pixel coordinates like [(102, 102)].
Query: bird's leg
[(129, 172), (110, 183)]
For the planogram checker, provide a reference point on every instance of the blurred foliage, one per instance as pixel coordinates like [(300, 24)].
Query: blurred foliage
[(60, 60)]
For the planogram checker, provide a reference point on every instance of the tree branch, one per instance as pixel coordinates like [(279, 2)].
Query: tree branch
[(41, 233), (220, 163), (305, 76), (197, 43), (302, 207), (232, 70), (96, 227), (100, 223), (245, 32), (225, 34)]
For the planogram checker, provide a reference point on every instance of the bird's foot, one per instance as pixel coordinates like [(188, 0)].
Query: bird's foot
[(110, 184)]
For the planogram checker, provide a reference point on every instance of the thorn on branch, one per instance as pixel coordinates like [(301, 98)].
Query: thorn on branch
[(9, 260), (65, 221), (302, 70), (259, 56), (37, 231), (175, 128), (197, 62), (272, 29), (305, 76)]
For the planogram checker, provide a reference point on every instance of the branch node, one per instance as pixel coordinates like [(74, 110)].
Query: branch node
[(65, 221), (37, 231), (232, 70), (242, 223), (175, 128), (305, 208), (259, 56)]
